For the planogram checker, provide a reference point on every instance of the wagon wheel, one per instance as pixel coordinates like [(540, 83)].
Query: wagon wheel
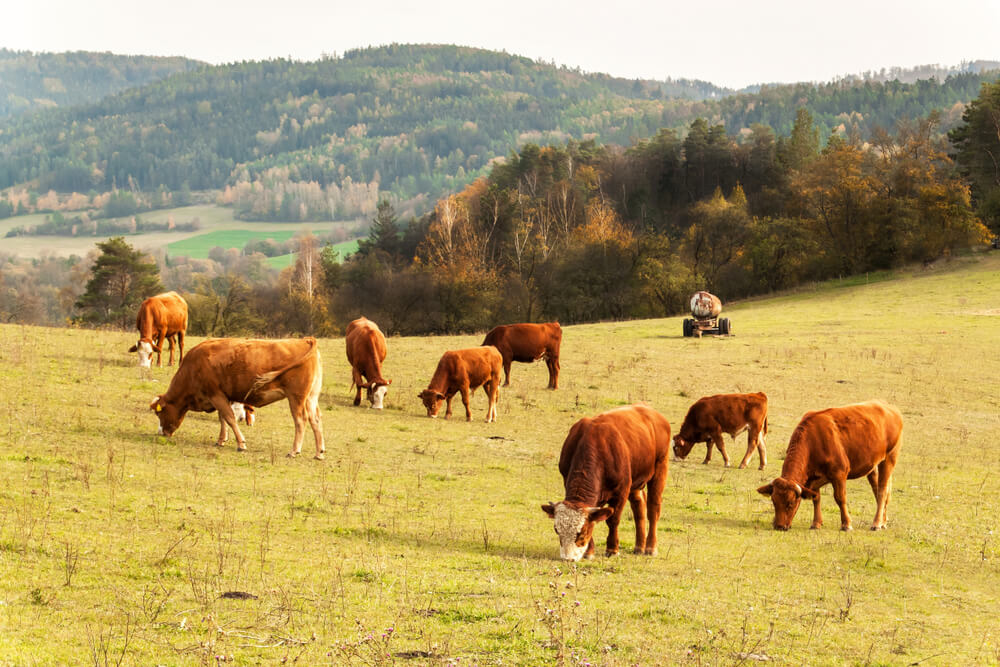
[(688, 328), (724, 328)]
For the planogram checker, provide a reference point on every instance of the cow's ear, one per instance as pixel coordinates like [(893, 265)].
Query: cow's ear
[(155, 405), (371, 386), (549, 509), (439, 395), (765, 490), (134, 348), (388, 381), (806, 492), (600, 513)]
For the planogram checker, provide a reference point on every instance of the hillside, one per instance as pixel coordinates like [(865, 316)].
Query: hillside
[(31, 81), (322, 139), (422, 541)]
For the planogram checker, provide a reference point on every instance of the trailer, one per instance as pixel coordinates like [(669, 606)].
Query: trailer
[(705, 310)]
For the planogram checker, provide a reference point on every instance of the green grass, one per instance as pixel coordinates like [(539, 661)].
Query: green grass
[(112, 538), (199, 246), (346, 248)]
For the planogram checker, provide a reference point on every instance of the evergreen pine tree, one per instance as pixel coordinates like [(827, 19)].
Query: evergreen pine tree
[(122, 278)]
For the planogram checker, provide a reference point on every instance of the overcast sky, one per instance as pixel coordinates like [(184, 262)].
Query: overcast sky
[(727, 42)]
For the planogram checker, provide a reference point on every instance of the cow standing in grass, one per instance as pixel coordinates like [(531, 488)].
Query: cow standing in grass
[(833, 446), (464, 371), (160, 317), (366, 351), (619, 455), (220, 371), (709, 417), (528, 343)]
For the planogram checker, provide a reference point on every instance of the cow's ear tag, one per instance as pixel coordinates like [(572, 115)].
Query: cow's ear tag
[(159, 408)]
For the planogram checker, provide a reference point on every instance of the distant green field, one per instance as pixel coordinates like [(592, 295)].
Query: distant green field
[(281, 261), (199, 246)]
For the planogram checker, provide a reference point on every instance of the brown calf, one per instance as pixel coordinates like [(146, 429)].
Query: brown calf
[(833, 446), (464, 371), (527, 343), (712, 416), (605, 461), (365, 352)]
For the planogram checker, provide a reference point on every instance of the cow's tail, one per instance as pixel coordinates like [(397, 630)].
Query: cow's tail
[(266, 378)]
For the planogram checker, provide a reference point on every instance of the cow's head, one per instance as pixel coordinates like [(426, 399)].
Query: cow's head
[(377, 390), (786, 496), (244, 413), (682, 447), (145, 350), (432, 401), (169, 415), (575, 526)]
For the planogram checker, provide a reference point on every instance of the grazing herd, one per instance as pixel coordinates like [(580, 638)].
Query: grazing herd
[(617, 456)]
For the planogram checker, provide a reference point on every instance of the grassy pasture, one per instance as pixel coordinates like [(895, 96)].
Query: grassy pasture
[(115, 541), (211, 218)]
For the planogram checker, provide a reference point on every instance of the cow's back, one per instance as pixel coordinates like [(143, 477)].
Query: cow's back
[(168, 310), (364, 339), (862, 434), (636, 435), (525, 341)]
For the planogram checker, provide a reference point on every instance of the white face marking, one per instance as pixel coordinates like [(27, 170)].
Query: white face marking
[(378, 395), (239, 412), (568, 523), (145, 351)]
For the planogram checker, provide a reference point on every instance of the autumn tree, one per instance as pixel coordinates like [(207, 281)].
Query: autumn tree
[(977, 150), (121, 278)]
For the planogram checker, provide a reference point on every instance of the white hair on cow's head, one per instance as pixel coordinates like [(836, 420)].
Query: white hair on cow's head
[(569, 521), (377, 396), (145, 350)]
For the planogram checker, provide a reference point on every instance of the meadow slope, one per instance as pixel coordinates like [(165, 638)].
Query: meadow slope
[(115, 542)]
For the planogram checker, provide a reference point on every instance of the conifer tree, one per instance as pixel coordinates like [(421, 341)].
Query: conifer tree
[(122, 278)]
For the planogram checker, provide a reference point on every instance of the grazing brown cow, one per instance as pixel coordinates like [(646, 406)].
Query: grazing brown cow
[(464, 371), (607, 460), (365, 352), (712, 416), (527, 343), (160, 317), (833, 446), (220, 371)]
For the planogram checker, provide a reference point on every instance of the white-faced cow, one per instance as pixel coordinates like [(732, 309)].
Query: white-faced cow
[(709, 417), (161, 317), (830, 447), (464, 371), (366, 351), (221, 371), (528, 343), (619, 455)]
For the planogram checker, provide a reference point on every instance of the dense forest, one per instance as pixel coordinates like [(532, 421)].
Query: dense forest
[(326, 139), (30, 81)]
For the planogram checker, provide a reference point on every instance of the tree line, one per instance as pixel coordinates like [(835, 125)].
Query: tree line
[(583, 232)]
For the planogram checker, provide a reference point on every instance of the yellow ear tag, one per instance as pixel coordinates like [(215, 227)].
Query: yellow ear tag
[(159, 408)]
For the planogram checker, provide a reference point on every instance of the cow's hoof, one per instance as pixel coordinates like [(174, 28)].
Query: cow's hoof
[(320, 456), (291, 455), (589, 556), (846, 527), (816, 526), (761, 467), (742, 466), (882, 527), (610, 554), (650, 552), (221, 443)]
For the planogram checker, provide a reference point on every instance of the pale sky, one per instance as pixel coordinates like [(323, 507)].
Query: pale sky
[(727, 42)]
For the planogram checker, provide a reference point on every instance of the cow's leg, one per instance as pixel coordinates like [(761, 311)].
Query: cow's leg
[(721, 444), (492, 392), (654, 496), (447, 402), (313, 414), (840, 495), (553, 364), (761, 451), (223, 432), (709, 444), (753, 442), (226, 416), (298, 410), (884, 490), (619, 504), (637, 499), (589, 553), (180, 347), (158, 345), (358, 380), (465, 401), (170, 340), (817, 513), (506, 371)]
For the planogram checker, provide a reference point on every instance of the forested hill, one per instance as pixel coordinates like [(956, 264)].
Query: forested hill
[(288, 138), (42, 80)]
